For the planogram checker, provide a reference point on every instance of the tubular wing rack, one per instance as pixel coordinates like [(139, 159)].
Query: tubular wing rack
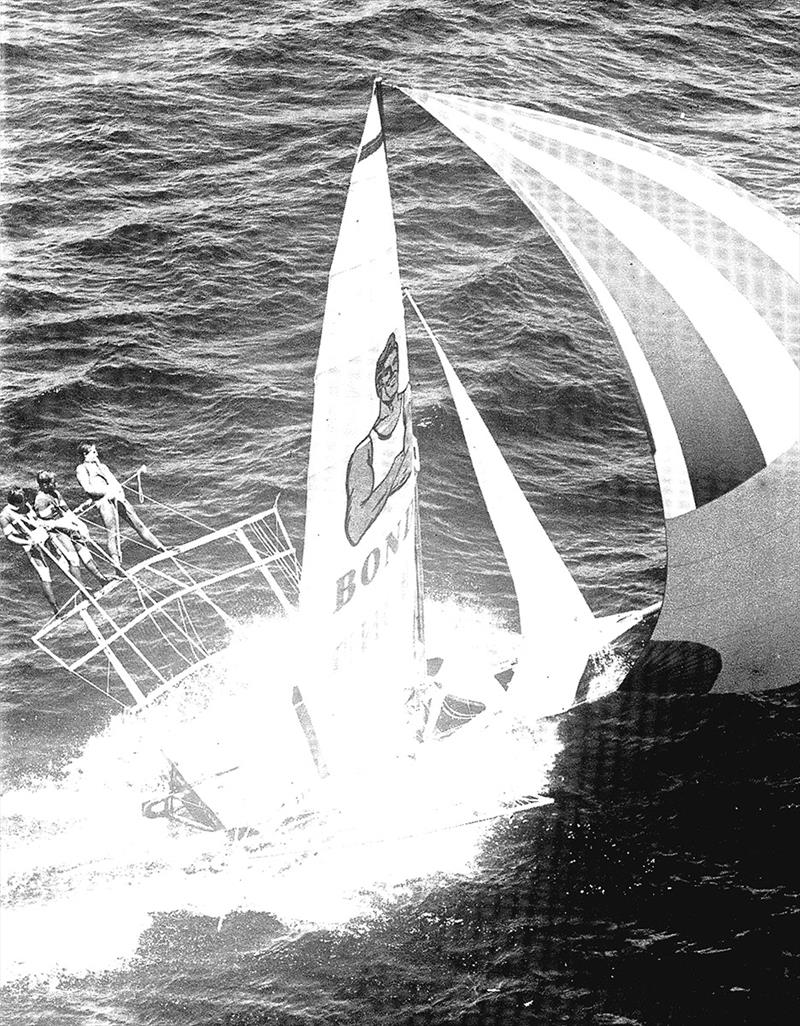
[(169, 616)]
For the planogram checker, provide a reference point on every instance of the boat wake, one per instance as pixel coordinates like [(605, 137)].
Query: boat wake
[(84, 875)]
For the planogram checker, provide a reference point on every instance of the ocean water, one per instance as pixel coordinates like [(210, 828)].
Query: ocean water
[(173, 179)]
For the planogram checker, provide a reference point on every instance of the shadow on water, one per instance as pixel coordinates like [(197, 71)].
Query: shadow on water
[(643, 895)]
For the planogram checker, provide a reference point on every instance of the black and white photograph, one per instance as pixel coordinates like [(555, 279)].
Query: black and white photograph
[(400, 468)]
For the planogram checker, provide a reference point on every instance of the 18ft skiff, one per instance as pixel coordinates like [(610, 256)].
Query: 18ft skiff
[(698, 283)]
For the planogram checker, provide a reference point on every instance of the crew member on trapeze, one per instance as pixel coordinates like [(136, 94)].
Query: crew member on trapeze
[(67, 532), (382, 462), (100, 484), (21, 527)]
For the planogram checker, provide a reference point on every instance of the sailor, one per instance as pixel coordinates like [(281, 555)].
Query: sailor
[(100, 484), (21, 527), (381, 463), (67, 532)]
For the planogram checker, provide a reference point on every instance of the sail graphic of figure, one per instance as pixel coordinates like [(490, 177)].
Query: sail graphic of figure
[(381, 463)]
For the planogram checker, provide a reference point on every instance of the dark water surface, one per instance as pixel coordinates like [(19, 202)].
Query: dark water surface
[(174, 176)]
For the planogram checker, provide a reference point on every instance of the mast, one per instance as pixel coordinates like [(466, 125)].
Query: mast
[(360, 585)]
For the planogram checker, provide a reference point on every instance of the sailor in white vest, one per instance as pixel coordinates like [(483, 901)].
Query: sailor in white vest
[(381, 463), (100, 484)]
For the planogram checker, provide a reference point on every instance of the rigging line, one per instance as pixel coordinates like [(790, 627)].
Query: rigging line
[(141, 543), (99, 551), (117, 531), (242, 569), (174, 580), (193, 583), (200, 644), (142, 589), (293, 562), (188, 626), (184, 563), (153, 593), (198, 587), (264, 541), (290, 565), (187, 618), (290, 569), (183, 628), (269, 538), (191, 566), (291, 589), (177, 512), (291, 584), (160, 630), (134, 474), (291, 573), (189, 660), (273, 555), (149, 590), (186, 567), (106, 694), (273, 548), (280, 536)]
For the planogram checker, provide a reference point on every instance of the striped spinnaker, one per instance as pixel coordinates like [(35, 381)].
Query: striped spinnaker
[(698, 282)]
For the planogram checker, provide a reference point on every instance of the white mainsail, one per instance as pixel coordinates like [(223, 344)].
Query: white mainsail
[(698, 281), (359, 592)]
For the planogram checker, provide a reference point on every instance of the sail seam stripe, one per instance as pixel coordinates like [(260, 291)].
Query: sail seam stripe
[(673, 474), (718, 197)]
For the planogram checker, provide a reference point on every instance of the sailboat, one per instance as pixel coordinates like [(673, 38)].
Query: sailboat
[(704, 337), (361, 587)]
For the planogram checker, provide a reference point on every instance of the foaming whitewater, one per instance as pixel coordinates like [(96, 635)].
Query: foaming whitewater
[(78, 853)]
